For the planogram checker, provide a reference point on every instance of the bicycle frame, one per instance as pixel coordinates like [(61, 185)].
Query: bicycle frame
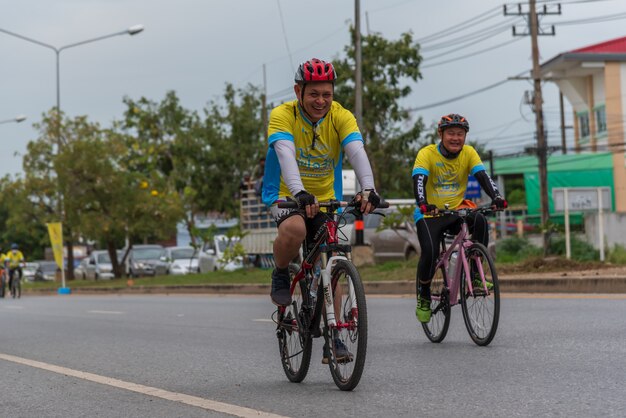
[(460, 244), (327, 242)]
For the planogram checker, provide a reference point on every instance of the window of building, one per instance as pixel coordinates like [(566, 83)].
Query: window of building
[(600, 119), (583, 121)]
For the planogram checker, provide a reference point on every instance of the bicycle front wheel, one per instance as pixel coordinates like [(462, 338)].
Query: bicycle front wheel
[(437, 328), (481, 307), (16, 289), (294, 340), (347, 342)]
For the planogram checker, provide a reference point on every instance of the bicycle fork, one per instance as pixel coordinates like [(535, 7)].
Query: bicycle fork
[(329, 299)]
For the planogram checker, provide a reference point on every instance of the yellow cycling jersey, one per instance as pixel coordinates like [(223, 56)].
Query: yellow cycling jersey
[(447, 178), (14, 258), (320, 166)]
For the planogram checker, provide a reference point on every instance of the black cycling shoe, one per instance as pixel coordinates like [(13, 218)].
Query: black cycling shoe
[(281, 293), (341, 353)]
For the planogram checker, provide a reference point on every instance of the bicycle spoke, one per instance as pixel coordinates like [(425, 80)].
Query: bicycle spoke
[(348, 340), (481, 308), (294, 343)]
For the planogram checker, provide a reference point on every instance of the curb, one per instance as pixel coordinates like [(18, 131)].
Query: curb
[(598, 284)]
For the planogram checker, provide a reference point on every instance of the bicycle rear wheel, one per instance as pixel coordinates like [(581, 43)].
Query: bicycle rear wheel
[(437, 328), (351, 331), (481, 308), (294, 340)]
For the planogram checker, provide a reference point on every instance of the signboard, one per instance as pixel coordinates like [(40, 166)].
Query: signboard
[(473, 188), (580, 199)]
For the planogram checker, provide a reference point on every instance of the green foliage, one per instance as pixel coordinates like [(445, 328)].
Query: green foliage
[(617, 255), (515, 249), (389, 130), (580, 250)]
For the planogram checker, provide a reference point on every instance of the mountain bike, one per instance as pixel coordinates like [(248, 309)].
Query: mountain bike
[(465, 273), (326, 285)]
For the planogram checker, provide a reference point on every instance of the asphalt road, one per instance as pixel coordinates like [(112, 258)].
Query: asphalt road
[(205, 356)]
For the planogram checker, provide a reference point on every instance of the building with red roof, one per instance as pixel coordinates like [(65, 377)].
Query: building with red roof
[(593, 80)]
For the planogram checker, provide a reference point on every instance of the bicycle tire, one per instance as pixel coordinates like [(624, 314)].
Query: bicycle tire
[(347, 372), (13, 288), (481, 310), (295, 343), (437, 328)]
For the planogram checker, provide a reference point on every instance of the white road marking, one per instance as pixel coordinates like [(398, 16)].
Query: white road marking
[(208, 404), (107, 312)]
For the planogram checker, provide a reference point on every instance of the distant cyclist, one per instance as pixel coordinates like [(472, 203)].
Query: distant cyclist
[(440, 176), (307, 139), (14, 260), (3, 275)]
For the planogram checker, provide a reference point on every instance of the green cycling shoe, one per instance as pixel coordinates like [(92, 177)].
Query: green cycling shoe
[(422, 311)]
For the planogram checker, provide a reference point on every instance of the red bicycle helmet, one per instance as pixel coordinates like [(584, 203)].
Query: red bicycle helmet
[(453, 120), (315, 70)]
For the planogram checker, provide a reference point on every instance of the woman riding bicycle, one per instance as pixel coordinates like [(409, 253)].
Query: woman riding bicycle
[(306, 138), (448, 165)]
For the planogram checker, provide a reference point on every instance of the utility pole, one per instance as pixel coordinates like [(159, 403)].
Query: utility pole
[(358, 81), (264, 103), (542, 154), (562, 114)]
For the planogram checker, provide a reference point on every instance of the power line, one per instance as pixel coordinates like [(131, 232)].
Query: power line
[(282, 22), (489, 87), (471, 54)]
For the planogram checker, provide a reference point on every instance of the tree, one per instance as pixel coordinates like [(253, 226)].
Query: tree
[(390, 133), (199, 158)]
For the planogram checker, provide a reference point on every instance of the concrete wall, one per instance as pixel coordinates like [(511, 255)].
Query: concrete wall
[(614, 225)]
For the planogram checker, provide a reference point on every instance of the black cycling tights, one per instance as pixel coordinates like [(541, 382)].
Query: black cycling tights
[(430, 233)]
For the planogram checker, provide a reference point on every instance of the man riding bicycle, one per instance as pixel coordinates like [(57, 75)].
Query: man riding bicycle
[(14, 260), (306, 141), (448, 165)]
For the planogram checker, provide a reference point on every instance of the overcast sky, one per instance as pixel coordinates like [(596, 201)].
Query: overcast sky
[(196, 46)]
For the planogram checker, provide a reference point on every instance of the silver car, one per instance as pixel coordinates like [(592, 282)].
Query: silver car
[(183, 260), (147, 260), (400, 243), (98, 266)]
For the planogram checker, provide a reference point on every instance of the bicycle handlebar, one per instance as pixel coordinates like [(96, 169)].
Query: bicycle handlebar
[(465, 211), (334, 204)]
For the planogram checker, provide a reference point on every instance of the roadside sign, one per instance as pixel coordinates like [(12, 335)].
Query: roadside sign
[(578, 199), (581, 198)]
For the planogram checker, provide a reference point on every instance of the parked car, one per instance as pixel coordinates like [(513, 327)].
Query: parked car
[(80, 271), (29, 271), (182, 260), (99, 266), (211, 258), (147, 260), (47, 270), (387, 244)]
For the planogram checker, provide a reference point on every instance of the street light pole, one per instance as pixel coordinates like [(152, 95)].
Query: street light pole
[(17, 119), (133, 30)]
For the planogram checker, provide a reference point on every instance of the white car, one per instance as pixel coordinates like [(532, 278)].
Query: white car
[(183, 260), (211, 257), (99, 266)]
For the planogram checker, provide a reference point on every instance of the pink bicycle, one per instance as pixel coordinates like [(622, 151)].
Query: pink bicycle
[(465, 274)]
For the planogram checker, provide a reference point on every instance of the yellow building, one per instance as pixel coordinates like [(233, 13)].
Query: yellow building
[(593, 80)]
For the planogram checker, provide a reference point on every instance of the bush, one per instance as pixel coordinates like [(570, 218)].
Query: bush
[(617, 255), (581, 250), (515, 249)]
